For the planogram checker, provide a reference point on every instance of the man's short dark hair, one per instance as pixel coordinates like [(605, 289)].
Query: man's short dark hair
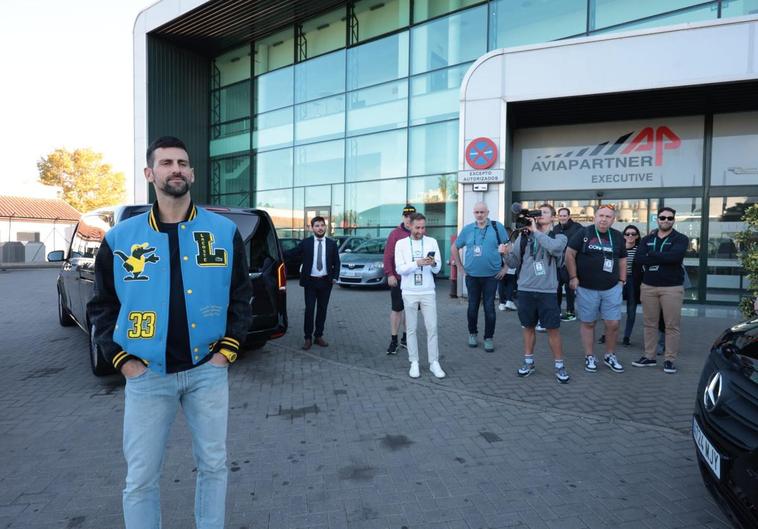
[(564, 209), (666, 208), (550, 206), (417, 216), (314, 220), (164, 142)]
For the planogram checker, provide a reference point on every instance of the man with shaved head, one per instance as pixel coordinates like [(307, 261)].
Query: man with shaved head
[(483, 266)]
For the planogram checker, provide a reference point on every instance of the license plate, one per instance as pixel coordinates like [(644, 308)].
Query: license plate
[(348, 274), (704, 446)]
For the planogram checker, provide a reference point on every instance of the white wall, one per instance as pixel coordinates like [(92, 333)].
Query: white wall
[(55, 236)]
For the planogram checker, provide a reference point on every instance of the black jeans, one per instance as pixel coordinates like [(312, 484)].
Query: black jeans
[(317, 291), (570, 295), (506, 287), (481, 289)]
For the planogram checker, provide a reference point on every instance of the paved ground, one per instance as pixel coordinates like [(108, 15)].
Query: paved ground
[(342, 438)]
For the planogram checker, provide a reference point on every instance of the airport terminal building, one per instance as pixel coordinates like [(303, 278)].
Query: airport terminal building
[(351, 109)]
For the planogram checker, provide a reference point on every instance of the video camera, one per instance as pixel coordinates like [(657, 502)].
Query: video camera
[(523, 217)]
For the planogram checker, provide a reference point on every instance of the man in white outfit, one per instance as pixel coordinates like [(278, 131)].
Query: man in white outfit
[(417, 258)]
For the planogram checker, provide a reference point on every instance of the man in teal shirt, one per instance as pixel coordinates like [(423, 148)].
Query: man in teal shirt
[(483, 267)]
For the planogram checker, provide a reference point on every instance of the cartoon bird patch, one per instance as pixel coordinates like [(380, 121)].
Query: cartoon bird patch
[(135, 263)]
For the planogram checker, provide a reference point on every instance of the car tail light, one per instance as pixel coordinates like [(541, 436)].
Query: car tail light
[(281, 277)]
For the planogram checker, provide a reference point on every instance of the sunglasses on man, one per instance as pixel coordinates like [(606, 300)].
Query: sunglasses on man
[(665, 217)]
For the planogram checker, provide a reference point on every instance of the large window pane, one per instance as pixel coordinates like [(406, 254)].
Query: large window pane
[(275, 51), (426, 9), (725, 279), (236, 200), (461, 37), (323, 119), (338, 207), (697, 14), (230, 144), (274, 90), (320, 77), (320, 163), (434, 148), (735, 144), (273, 169), (382, 60), (738, 8), (376, 18), (434, 96), (298, 213), (233, 66), (612, 12), (230, 175), (230, 103), (323, 34), (378, 203), (689, 217), (376, 156), (318, 196), (436, 197), (518, 23), (378, 108), (278, 204), (273, 129)]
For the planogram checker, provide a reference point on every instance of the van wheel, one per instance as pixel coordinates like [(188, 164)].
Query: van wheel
[(64, 316), (99, 365)]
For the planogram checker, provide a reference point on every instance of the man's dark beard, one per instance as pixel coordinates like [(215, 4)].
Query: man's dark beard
[(177, 192)]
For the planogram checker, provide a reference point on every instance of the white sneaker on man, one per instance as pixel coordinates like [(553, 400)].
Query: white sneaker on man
[(510, 305), (436, 370), (414, 371), (501, 307)]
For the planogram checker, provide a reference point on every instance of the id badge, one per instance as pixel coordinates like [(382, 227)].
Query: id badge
[(418, 279), (477, 251), (608, 265), (539, 269)]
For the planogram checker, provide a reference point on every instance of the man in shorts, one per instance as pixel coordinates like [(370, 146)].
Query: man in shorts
[(393, 279), (596, 263)]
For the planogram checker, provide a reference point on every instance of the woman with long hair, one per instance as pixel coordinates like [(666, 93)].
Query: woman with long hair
[(631, 290)]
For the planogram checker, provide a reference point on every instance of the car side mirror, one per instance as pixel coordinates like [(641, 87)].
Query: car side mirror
[(55, 257)]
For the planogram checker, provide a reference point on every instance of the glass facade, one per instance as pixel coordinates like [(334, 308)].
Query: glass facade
[(354, 112)]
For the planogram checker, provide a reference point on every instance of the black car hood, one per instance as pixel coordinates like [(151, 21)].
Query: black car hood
[(740, 339)]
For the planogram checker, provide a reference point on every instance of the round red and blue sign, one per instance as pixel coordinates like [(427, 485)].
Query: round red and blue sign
[(481, 153)]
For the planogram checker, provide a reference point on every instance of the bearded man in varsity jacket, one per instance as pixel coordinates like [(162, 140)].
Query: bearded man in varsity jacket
[(171, 307)]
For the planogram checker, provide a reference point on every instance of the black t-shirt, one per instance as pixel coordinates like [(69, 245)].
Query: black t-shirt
[(592, 253), (178, 357)]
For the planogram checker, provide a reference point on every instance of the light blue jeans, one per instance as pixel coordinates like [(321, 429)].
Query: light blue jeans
[(151, 403)]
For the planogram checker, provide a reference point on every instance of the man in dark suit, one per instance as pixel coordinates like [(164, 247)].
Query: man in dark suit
[(321, 268)]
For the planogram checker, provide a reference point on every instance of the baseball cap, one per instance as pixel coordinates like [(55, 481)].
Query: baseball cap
[(408, 210)]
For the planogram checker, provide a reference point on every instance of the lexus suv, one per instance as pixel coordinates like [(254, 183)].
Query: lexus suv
[(725, 423), (76, 279)]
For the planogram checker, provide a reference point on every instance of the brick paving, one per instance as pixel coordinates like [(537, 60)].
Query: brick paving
[(341, 437)]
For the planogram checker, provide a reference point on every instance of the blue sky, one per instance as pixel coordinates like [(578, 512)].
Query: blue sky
[(66, 82)]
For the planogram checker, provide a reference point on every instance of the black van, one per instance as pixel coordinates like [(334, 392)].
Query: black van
[(76, 280), (725, 423)]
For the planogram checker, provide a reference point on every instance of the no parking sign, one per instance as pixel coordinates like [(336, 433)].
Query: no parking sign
[(481, 153)]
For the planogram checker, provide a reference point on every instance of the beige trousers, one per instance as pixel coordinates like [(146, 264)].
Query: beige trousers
[(669, 301)]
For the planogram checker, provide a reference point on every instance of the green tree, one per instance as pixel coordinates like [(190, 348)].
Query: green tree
[(748, 245), (87, 182)]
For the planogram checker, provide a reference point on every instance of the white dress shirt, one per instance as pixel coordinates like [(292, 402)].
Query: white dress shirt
[(315, 272)]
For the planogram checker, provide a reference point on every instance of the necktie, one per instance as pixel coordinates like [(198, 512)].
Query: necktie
[(319, 256)]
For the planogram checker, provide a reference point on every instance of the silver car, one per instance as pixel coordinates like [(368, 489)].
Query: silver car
[(364, 265)]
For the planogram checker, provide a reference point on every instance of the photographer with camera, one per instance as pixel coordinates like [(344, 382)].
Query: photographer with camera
[(596, 263), (417, 259), (538, 255), (483, 240)]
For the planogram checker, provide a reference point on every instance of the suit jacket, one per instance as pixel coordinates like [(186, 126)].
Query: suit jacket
[(305, 250)]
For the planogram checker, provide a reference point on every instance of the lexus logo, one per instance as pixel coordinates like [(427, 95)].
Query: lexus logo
[(712, 393)]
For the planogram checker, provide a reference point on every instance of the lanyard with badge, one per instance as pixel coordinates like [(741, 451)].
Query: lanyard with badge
[(607, 262), (539, 268), (418, 275), (654, 268), (478, 247)]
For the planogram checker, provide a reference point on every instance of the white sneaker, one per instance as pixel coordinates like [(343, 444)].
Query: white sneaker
[(414, 372), (435, 369), (502, 306), (510, 305), (540, 328)]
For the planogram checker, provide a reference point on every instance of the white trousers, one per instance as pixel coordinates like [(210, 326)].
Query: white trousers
[(428, 303)]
